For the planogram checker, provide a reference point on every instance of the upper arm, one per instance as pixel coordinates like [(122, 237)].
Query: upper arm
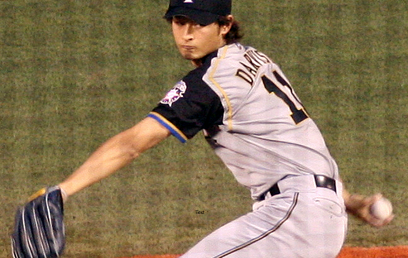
[(145, 134)]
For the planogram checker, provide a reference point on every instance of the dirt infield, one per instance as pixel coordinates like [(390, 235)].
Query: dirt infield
[(347, 252)]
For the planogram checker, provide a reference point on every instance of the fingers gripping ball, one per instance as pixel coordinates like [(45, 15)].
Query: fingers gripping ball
[(381, 209), (39, 230)]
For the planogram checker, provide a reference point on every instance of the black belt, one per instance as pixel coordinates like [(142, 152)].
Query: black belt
[(321, 181)]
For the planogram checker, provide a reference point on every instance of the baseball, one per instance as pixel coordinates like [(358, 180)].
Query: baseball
[(381, 209)]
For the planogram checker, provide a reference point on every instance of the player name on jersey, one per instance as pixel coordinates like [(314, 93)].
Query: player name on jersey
[(255, 60)]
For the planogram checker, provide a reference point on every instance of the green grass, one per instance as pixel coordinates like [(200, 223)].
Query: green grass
[(74, 73)]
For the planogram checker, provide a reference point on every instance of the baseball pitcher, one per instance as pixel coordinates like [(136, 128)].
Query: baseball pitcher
[(246, 108)]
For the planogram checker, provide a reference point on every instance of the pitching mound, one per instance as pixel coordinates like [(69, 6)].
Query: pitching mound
[(375, 252)]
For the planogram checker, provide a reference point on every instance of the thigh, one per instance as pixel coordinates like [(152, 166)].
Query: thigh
[(317, 227), (288, 225)]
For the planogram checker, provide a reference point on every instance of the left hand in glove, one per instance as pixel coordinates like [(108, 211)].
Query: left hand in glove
[(39, 230)]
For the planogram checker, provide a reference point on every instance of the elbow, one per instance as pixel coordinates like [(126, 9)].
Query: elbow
[(133, 152), (128, 146), (142, 137)]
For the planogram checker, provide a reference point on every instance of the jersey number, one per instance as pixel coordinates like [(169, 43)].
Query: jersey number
[(298, 115)]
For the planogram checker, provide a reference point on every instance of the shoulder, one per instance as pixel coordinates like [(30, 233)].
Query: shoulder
[(238, 63), (236, 56), (226, 55)]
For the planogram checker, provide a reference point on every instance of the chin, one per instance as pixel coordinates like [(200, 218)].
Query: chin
[(190, 56), (187, 57)]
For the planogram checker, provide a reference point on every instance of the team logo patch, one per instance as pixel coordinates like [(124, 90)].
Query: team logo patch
[(174, 94)]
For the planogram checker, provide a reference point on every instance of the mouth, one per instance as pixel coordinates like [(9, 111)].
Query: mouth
[(187, 48)]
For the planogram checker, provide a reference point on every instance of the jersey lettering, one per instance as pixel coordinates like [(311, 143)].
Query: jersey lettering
[(255, 60), (252, 70), (245, 76)]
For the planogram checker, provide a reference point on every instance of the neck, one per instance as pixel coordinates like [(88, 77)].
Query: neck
[(199, 62)]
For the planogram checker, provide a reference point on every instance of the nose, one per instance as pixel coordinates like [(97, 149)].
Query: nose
[(188, 32)]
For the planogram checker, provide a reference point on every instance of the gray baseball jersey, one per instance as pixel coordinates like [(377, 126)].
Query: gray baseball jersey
[(252, 117)]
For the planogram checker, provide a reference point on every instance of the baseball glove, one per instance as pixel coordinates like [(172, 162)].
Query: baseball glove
[(39, 230)]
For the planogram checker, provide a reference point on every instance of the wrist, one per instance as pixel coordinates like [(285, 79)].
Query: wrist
[(354, 202), (64, 194)]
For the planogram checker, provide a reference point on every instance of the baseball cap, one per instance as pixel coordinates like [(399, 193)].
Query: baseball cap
[(201, 11)]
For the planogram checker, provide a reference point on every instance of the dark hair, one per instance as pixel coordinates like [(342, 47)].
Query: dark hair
[(235, 34)]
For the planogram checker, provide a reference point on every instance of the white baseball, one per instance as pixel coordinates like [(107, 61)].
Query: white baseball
[(381, 209)]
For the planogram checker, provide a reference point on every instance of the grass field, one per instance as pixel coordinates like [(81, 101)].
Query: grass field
[(74, 73)]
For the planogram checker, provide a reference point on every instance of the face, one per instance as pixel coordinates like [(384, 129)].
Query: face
[(194, 41)]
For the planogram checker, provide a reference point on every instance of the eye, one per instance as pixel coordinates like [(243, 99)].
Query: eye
[(180, 20), (199, 25)]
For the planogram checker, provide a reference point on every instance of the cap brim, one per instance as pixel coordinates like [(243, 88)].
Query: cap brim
[(200, 17)]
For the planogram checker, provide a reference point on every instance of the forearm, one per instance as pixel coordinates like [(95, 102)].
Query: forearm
[(114, 154), (107, 159), (352, 201)]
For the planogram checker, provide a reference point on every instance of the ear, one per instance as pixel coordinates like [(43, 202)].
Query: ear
[(226, 28)]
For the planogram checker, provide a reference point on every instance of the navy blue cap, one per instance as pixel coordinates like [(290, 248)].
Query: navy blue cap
[(201, 11)]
